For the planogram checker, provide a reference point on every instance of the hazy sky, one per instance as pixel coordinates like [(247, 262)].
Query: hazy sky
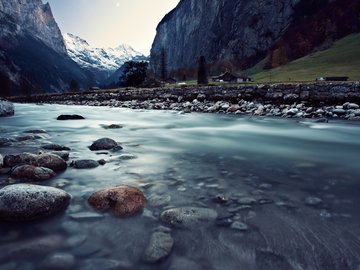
[(108, 23)]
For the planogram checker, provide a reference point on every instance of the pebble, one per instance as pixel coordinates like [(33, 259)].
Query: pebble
[(22, 202), (188, 217), (122, 200), (237, 225), (104, 144), (159, 247)]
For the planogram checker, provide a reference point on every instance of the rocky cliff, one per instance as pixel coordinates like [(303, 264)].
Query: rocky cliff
[(33, 56), (228, 33)]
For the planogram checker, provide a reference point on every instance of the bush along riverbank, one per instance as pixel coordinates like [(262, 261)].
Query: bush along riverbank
[(314, 100)]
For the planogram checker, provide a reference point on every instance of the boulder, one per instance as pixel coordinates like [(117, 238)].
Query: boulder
[(159, 247), (104, 144), (32, 173), (51, 161), (70, 117), (122, 200), (6, 108), (22, 202), (84, 164), (188, 217), (23, 158)]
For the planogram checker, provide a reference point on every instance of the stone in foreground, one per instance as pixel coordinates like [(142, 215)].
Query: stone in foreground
[(23, 202), (6, 108), (104, 144), (122, 200), (32, 173), (159, 247), (188, 217)]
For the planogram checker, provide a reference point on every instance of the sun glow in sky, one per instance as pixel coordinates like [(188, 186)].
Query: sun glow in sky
[(108, 23)]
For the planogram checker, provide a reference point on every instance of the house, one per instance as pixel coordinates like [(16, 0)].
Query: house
[(230, 77)]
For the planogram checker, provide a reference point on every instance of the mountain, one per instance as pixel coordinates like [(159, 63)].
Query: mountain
[(100, 61), (33, 56), (235, 35)]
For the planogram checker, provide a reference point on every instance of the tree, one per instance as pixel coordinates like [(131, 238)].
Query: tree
[(134, 73), (74, 86), (163, 67), (202, 72)]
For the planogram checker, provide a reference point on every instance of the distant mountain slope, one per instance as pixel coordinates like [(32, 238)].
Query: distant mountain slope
[(102, 62), (342, 59), (33, 55)]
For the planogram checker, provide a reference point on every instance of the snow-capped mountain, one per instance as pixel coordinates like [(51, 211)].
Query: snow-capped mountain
[(103, 62)]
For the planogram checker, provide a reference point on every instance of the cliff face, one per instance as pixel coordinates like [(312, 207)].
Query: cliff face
[(37, 19), (33, 55), (228, 33)]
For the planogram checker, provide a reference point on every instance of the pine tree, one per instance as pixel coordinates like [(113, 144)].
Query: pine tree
[(202, 72)]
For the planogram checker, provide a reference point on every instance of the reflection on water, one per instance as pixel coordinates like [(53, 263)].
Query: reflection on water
[(265, 169)]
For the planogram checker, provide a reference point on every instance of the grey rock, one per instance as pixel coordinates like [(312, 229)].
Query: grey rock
[(159, 200), (313, 201), (22, 202), (103, 144), (247, 200), (339, 111), (237, 225), (6, 108), (351, 106), (188, 217), (59, 261), (126, 156), (159, 247), (84, 164), (55, 147), (32, 173)]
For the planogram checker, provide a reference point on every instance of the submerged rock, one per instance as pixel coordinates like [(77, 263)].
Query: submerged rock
[(59, 261), (237, 225), (122, 200), (84, 164), (113, 126), (22, 202), (187, 217), (159, 247), (33, 173), (70, 117), (55, 147), (6, 108), (104, 144), (313, 201)]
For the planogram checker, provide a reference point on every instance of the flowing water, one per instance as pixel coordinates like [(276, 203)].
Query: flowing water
[(189, 160)]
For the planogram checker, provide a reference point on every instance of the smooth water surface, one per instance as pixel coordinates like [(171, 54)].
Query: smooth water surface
[(188, 160)]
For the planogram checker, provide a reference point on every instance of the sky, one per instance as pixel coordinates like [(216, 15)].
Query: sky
[(109, 23)]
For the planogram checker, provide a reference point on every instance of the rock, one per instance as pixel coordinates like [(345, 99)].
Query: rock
[(59, 261), (1, 161), (36, 131), (70, 117), (27, 249), (6, 108), (22, 202), (113, 126), (159, 247), (102, 162), (24, 158), (55, 147), (84, 164), (351, 106), (179, 263), (63, 154), (247, 200), (220, 198), (126, 156), (237, 225), (32, 173), (313, 201), (51, 161), (339, 111), (103, 264), (187, 217), (159, 200), (122, 200), (6, 142), (104, 144)]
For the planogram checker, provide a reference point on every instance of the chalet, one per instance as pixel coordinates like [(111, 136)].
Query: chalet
[(230, 77)]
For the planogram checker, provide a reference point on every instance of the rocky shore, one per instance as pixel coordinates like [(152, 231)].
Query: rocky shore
[(311, 100)]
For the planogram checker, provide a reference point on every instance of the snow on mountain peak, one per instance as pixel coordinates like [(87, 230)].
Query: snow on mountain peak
[(109, 59)]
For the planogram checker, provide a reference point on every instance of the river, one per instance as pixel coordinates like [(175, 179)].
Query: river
[(199, 160)]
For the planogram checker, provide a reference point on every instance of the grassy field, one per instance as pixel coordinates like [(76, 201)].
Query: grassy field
[(342, 59)]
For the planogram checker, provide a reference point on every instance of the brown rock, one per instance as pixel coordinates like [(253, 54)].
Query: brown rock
[(122, 200), (51, 161), (33, 173)]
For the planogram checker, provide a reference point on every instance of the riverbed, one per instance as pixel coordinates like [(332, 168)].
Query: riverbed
[(292, 185)]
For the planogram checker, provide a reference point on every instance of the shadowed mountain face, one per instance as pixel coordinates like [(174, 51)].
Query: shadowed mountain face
[(33, 55), (238, 34)]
